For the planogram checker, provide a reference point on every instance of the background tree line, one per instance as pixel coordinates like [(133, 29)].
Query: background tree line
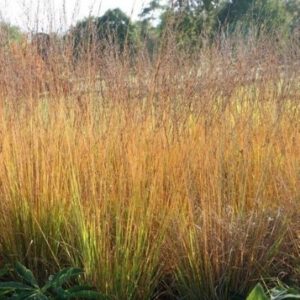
[(189, 20)]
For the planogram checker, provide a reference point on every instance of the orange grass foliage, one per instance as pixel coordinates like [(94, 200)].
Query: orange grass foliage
[(178, 176)]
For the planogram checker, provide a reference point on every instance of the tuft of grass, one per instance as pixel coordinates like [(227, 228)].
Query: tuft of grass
[(176, 176)]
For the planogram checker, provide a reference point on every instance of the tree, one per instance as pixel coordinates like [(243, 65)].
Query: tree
[(148, 33), (199, 5), (9, 33), (148, 12), (42, 42), (293, 7), (114, 27), (190, 19), (267, 15)]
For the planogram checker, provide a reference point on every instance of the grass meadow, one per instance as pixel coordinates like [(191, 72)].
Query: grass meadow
[(172, 176)]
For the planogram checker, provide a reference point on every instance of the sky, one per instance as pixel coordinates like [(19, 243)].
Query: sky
[(56, 15)]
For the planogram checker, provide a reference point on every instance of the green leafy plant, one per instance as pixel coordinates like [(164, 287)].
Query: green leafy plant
[(54, 288), (278, 293), (257, 293)]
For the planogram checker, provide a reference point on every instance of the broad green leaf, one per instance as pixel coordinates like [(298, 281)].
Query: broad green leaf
[(79, 288), (16, 297), (257, 293), (26, 275), (23, 295), (60, 293), (63, 276), (37, 296), (5, 293), (12, 285)]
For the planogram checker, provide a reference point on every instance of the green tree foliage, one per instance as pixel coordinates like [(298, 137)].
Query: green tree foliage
[(114, 27), (199, 5), (148, 12), (293, 7), (9, 33), (266, 15), (190, 19), (148, 33), (148, 36)]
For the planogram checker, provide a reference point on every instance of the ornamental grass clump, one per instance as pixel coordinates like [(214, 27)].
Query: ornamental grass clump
[(175, 174)]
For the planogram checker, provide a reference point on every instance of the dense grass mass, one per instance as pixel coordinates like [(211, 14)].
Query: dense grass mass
[(171, 176)]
